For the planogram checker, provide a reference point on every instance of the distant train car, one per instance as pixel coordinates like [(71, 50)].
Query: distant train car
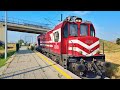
[(74, 45)]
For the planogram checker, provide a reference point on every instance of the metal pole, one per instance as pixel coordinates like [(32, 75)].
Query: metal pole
[(61, 17), (5, 34), (103, 47)]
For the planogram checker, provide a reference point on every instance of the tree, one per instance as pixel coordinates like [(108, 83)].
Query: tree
[(118, 41), (20, 41)]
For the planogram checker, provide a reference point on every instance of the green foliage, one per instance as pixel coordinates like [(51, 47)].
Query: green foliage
[(2, 60), (8, 54), (20, 41), (2, 47), (118, 41), (32, 48)]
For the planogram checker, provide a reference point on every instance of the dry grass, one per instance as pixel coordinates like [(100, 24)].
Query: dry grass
[(109, 46), (11, 51), (3, 61), (11, 47), (112, 54)]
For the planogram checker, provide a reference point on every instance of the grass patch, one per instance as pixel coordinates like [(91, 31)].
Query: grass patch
[(1, 47), (2, 60)]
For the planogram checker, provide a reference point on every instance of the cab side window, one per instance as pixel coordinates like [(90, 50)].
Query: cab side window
[(38, 41), (92, 31), (56, 36), (65, 31)]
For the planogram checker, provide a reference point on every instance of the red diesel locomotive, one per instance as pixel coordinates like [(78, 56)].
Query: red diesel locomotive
[(74, 45)]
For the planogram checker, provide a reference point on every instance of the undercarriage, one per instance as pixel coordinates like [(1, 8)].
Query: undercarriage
[(89, 67)]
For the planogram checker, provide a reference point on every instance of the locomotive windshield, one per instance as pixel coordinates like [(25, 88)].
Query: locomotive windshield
[(83, 30), (73, 30)]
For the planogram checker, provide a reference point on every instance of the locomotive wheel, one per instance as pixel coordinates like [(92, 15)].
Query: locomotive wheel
[(65, 63), (51, 56), (60, 62), (70, 67), (44, 53), (47, 54), (57, 60)]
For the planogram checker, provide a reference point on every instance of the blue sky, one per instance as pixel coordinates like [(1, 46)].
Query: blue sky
[(106, 23)]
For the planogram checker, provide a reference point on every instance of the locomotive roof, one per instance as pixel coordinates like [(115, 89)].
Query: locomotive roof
[(74, 18), (60, 24)]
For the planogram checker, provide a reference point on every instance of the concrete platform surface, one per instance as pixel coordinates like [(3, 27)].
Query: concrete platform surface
[(27, 64)]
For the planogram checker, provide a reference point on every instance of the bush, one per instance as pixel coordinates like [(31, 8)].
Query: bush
[(1, 55), (28, 48), (118, 41), (1, 43), (32, 48)]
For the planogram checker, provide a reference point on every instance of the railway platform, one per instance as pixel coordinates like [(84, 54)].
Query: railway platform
[(27, 64)]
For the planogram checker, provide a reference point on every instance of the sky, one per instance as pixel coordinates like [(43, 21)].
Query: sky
[(106, 23)]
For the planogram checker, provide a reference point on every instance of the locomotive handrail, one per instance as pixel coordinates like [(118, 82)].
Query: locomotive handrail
[(72, 47), (103, 47)]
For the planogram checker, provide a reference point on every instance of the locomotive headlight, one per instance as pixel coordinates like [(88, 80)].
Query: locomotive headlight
[(78, 20)]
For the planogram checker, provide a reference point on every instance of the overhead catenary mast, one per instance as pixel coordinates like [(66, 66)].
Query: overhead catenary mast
[(61, 16)]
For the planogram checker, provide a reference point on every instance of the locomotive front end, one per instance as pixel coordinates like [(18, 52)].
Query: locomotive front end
[(85, 59)]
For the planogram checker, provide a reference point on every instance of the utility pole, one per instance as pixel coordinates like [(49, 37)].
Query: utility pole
[(61, 17), (5, 34)]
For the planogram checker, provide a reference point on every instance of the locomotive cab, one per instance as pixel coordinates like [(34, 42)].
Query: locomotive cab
[(81, 46), (74, 45), (79, 39)]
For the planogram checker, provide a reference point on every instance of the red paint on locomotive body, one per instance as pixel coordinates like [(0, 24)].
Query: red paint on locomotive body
[(78, 45), (73, 44)]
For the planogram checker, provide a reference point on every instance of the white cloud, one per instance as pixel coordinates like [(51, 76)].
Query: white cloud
[(81, 12)]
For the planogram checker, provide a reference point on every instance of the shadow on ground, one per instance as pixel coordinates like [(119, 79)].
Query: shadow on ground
[(23, 71), (24, 51)]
